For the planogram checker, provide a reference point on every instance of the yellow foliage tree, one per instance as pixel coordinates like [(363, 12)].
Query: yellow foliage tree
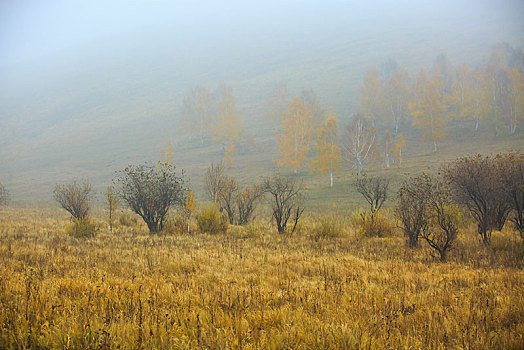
[(229, 123), (328, 153), (396, 94), (371, 103), (399, 143), (294, 138), (427, 107)]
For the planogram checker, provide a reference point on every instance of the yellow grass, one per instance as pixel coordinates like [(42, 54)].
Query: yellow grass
[(251, 288)]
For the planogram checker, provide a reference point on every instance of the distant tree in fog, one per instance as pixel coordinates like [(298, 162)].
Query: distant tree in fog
[(327, 159), (294, 136), (427, 108), (371, 103), (228, 125), (275, 104), (198, 111)]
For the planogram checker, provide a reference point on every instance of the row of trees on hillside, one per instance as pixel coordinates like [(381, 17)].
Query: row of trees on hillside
[(492, 94), (207, 114), (309, 136)]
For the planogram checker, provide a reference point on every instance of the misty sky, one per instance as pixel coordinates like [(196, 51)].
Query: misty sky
[(30, 30)]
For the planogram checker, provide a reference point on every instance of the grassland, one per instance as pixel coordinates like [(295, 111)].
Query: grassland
[(252, 288)]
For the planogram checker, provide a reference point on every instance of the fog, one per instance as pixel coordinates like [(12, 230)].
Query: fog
[(88, 87)]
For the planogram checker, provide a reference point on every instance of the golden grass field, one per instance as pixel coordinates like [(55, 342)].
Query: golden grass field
[(252, 288)]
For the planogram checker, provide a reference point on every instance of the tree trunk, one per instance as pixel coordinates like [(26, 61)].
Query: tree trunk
[(331, 179), (435, 149)]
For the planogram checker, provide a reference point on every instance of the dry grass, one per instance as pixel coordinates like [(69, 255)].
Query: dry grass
[(251, 288)]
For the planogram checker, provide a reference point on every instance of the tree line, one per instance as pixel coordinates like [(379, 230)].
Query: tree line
[(489, 189), (307, 134)]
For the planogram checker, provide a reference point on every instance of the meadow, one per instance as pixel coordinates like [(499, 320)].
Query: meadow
[(326, 286)]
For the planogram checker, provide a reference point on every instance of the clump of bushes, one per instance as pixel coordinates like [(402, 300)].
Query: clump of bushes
[(81, 228), (211, 220), (375, 224), (325, 227)]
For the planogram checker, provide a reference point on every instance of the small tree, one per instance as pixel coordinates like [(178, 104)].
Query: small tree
[(412, 207), (112, 205), (74, 198), (477, 185), (214, 181), (286, 200), (4, 195), (374, 190), (151, 191)]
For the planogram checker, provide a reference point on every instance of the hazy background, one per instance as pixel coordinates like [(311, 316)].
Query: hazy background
[(89, 87)]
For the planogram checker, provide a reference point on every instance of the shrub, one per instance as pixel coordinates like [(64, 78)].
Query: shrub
[(210, 220), (151, 191), (373, 225), (412, 207), (326, 227), (74, 198), (286, 200), (477, 184), (127, 219), (81, 228), (175, 224)]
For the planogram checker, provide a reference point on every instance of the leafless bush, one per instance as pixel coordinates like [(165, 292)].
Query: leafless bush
[(151, 191), (246, 202), (426, 211), (74, 198), (4, 195), (412, 207), (226, 197), (511, 167), (215, 181), (286, 200), (374, 190), (476, 182)]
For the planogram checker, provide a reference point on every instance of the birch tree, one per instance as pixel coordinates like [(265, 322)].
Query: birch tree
[(358, 142), (328, 152)]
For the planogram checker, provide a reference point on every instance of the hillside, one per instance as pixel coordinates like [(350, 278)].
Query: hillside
[(89, 110)]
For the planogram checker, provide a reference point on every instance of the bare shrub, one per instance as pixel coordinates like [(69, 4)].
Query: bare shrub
[(444, 220), (374, 190), (511, 167), (412, 207), (226, 197), (151, 191), (285, 199), (426, 211), (74, 198), (477, 185), (246, 202), (214, 181)]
